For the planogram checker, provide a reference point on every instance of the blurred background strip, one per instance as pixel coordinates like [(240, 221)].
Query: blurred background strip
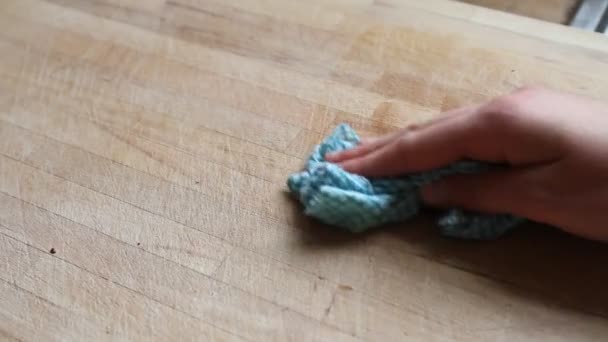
[(591, 15), (557, 11)]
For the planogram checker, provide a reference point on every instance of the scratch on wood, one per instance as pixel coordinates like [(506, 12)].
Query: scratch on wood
[(330, 306), (219, 267)]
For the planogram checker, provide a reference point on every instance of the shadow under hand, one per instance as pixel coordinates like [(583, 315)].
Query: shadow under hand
[(537, 262)]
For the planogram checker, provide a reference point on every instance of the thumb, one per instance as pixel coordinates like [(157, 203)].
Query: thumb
[(504, 192)]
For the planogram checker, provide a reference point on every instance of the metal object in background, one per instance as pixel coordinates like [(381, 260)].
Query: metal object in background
[(591, 15)]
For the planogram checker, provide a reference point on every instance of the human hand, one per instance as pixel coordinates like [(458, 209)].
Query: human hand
[(555, 143)]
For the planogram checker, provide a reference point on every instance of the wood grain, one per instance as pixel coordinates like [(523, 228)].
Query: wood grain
[(148, 143)]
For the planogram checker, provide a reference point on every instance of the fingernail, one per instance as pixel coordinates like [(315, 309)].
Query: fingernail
[(434, 194), (330, 155)]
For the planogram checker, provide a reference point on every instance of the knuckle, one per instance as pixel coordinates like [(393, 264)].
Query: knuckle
[(512, 103), (503, 111), (507, 110), (501, 106), (498, 115), (527, 94)]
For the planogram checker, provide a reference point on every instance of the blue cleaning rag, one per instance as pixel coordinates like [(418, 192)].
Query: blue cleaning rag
[(355, 203)]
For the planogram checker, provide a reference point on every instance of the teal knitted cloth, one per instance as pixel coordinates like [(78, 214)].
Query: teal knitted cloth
[(355, 203)]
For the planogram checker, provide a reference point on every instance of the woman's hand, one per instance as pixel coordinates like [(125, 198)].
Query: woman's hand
[(556, 143)]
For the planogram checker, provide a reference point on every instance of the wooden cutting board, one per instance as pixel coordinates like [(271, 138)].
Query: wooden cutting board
[(144, 148)]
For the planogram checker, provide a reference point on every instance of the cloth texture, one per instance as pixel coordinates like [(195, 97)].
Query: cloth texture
[(356, 204)]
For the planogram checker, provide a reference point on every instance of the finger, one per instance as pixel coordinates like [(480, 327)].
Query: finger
[(366, 146), (358, 151), (371, 144), (431, 147), (507, 192)]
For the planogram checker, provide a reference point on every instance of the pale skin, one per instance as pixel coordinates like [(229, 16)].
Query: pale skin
[(555, 143)]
